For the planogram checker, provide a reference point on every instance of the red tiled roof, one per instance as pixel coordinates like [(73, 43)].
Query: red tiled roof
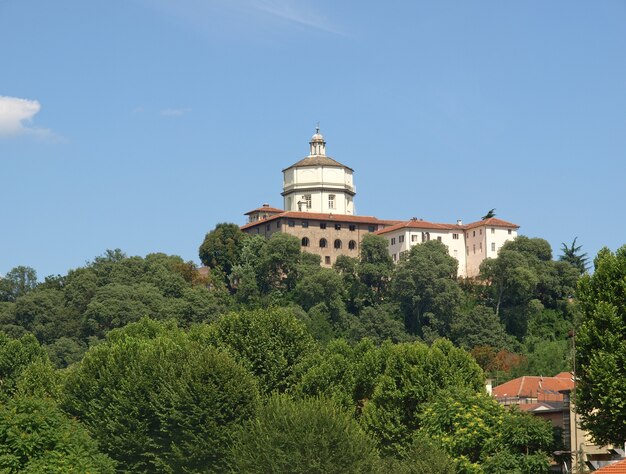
[(264, 208), (420, 224), (616, 468), (530, 386), (491, 222), (322, 217)]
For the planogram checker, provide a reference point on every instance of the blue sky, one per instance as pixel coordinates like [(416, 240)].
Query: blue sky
[(141, 124)]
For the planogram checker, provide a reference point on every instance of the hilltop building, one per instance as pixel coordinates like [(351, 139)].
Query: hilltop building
[(318, 199)]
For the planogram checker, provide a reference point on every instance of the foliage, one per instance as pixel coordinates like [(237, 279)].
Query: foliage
[(17, 282), (310, 435), (222, 246), (270, 343), (37, 437), (15, 356), (157, 400), (601, 348), (423, 456), (424, 285), (479, 327), (571, 254)]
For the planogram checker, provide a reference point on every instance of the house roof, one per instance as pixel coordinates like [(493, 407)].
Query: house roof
[(318, 160), (616, 468), (491, 222), (420, 224), (264, 208), (322, 217), (530, 386)]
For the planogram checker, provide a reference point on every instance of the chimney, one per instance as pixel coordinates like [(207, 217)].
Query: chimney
[(459, 222)]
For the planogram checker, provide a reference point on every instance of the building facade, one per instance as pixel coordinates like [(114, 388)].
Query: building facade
[(318, 198)]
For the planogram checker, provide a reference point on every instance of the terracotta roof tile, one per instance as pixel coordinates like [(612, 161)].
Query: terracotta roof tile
[(530, 386), (420, 224), (616, 468), (491, 222), (264, 208), (322, 217)]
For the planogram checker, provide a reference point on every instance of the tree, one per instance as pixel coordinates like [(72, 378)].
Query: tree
[(424, 285), (423, 456), (157, 400), (15, 356), (36, 436), (17, 282), (222, 246), (269, 342), (479, 327), (489, 214), (311, 435), (571, 254), (601, 348), (375, 266)]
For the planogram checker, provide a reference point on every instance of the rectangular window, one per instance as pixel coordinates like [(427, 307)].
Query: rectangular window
[(509, 231), (474, 248), (322, 225), (371, 228), (352, 227), (481, 232), (393, 241), (493, 231), (481, 246), (439, 238), (331, 201), (291, 223), (394, 257), (278, 224), (327, 260), (455, 236), (414, 238), (493, 246), (467, 235), (401, 239), (305, 224), (473, 233), (337, 226), (307, 200), (267, 226)]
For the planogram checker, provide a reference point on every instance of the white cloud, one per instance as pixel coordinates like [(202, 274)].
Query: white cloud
[(175, 112), (16, 115), (293, 12)]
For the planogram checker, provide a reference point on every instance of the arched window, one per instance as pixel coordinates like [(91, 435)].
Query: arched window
[(305, 241), (352, 245), (337, 244), (323, 243)]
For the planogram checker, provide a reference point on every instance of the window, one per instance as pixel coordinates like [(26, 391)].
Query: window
[(305, 224), (267, 226), (337, 243), (455, 236), (323, 243), (322, 225), (439, 238), (481, 232), (393, 241), (401, 239), (493, 246), (481, 246), (474, 248), (305, 241), (394, 257), (456, 254), (473, 233), (352, 245), (352, 227), (509, 231), (337, 226), (371, 228), (467, 235), (414, 238), (257, 230), (425, 236), (493, 231), (278, 224), (327, 260), (291, 223), (307, 201), (331, 201)]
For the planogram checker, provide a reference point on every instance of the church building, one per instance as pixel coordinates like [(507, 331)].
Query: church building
[(318, 199)]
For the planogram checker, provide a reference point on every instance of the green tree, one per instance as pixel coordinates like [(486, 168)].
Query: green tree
[(17, 282), (303, 436), (222, 247), (37, 437), (278, 264), (601, 348), (572, 255), (15, 356), (375, 266), (424, 285), (423, 456), (269, 342), (479, 327), (157, 400)]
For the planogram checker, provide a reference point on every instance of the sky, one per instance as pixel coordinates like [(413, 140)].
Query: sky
[(141, 124)]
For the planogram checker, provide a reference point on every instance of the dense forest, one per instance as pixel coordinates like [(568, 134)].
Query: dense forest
[(263, 361)]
